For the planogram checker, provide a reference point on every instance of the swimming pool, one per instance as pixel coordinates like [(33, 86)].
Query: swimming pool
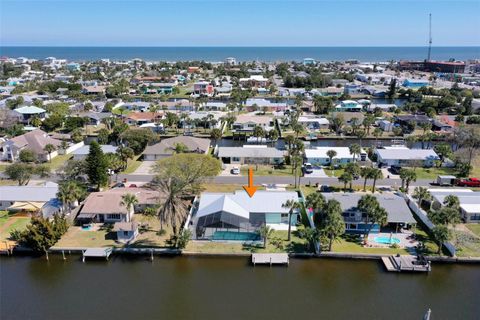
[(236, 236), (386, 240), (87, 227)]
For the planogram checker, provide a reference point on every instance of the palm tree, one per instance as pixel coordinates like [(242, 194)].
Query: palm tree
[(291, 205), (377, 132), (180, 148), (258, 132), (374, 213), (375, 174), (216, 134), (345, 178), (365, 172), (315, 201), (354, 170), (69, 192), (173, 205), (440, 234), (407, 176), (329, 221), (124, 154), (310, 235), (355, 150), (129, 200), (331, 154), (452, 201), (266, 233), (273, 136), (421, 193), (49, 148)]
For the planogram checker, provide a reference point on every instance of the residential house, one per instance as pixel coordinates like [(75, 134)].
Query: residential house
[(469, 202), (35, 140), (82, 152), (405, 157), (203, 88), (31, 199), (318, 156), (309, 61), (265, 105), (166, 147), (248, 122), (314, 123), (139, 118), (251, 154), (94, 90), (398, 213), (348, 106), (29, 112), (417, 119), (415, 83), (254, 81), (106, 206), (237, 217)]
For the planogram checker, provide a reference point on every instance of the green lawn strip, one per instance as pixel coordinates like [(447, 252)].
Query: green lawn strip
[(20, 223), (474, 227), (3, 167), (334, 173), (433, 173), (133, 165), (58, 161), (266, 170)]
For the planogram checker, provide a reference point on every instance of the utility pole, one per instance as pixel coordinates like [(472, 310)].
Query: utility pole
[(430, 37)]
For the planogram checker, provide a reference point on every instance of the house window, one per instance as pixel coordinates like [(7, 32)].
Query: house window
[(235, 159), (125, 233), (352, 227), (284, 218), (475, 217), (114, 216)]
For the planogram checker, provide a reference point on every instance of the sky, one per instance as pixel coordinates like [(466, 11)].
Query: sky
[(238, 23)]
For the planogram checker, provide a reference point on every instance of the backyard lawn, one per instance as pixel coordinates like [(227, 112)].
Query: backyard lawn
[(10, 222), (132, 165), (58, 161), (277, 244), (149, 235), (433, 173), (474, 227)]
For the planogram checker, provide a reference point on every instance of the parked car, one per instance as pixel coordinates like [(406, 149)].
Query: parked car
[(307, 168), (324, 188), (469, 182), (118, 185), (235, 170), (132, 185), (395, 169)]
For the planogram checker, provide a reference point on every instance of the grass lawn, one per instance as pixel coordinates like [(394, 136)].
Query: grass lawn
[(103, 237), (334, 173), (266, 170), (58, 161), (133, 165), (7, 182), (224, 187), (3, 167), (10, 222), (474, 227), (432, 173), (476, 167), (277, 244)]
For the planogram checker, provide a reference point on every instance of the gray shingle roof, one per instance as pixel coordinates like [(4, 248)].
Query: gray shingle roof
[(29, 193), (167, 146), (396, 206), (251, 152)]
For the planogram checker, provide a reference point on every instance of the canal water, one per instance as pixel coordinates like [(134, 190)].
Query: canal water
[(229, 288)]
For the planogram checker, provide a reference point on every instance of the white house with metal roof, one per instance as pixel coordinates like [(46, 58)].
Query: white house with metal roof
[(469, 202), (251, 154), (236, 216), (403, 156), (27, 198), (319, 156)]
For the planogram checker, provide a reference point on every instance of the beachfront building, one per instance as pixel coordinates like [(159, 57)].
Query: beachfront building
[(309, 62), (166, 147), (318, 155), (469, 202), (106, 206), (399, 215), (405, 157), (251, 154), (348, 106), (236, 216)]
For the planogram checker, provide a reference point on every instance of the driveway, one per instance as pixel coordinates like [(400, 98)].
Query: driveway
[(387, 173), (317, 173), (145, 168), (227, 168)]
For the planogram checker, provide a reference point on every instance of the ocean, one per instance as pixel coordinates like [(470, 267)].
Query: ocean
[(214, 54)]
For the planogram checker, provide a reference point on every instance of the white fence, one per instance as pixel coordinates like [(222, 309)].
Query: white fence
[(71, 148), (422, 215)]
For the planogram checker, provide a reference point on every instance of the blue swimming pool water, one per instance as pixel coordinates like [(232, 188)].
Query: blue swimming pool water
[(386, 240), (87, 228), (236, 236)]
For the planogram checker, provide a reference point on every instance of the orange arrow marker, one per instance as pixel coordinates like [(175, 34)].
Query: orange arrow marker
[(251, 189)]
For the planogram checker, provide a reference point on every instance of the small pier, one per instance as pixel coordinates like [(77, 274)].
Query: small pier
[(406, 263), (97, 253), (270, 258)]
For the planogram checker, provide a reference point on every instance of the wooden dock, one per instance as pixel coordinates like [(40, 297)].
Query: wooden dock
[(97, 253), (270, 258), (406, 263)]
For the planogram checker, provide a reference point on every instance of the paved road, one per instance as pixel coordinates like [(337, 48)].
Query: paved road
[(282, 180)]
